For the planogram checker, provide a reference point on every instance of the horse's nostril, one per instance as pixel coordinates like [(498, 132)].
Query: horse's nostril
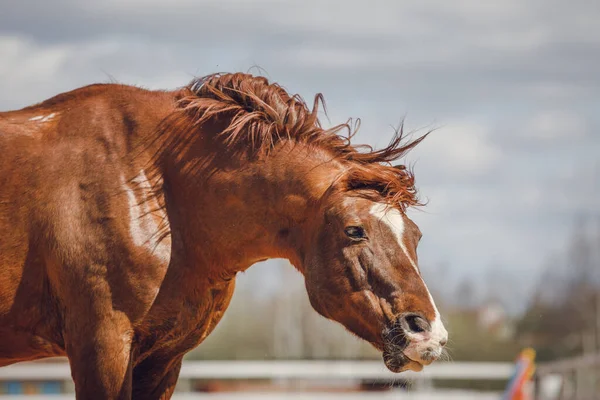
[(443, 342), (415, 324)]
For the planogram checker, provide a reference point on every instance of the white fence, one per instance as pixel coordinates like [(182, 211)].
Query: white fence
[(458, 395), (368, 370), (323, 371)]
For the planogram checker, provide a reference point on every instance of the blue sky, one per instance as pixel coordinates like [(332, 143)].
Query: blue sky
[(512, 89)]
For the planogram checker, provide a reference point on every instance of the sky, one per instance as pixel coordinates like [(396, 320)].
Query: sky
[(511, 89)]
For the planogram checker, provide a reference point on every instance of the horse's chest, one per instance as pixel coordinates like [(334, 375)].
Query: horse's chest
[(186, 325)]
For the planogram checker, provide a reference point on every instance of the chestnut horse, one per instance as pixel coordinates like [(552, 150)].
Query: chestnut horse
[(126, 215)]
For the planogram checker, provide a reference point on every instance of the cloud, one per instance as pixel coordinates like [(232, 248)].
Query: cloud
[(458, 149), (557, 125), (35, 72), (21, 59)]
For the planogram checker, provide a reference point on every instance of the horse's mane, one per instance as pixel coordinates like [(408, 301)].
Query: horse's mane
[(259, 114)]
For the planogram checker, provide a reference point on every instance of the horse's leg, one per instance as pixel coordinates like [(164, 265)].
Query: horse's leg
[(155, 379), (99, 352), (97, 332)]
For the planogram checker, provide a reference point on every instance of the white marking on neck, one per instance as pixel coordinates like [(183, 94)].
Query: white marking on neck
[(143, 228), (394, 219)]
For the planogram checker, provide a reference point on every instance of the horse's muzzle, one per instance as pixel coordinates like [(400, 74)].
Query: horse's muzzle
[(409, 344)]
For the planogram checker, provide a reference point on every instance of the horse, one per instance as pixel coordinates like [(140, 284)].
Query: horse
[(127, 213)]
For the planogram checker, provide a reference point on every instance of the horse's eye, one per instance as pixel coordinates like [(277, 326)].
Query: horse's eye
[(355, 232)]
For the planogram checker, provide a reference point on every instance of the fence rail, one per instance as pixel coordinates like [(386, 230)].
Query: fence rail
[(368, 370), (281, 371), (457, 395)]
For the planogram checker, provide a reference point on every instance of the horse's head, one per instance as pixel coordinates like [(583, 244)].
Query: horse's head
[(361, 270)]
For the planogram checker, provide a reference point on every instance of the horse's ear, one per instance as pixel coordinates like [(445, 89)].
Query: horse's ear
[(339, 185)]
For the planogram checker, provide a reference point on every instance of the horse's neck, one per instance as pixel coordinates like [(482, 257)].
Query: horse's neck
[(243, 215)]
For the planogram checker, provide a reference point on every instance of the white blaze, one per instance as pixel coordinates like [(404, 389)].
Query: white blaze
[(394, 219)]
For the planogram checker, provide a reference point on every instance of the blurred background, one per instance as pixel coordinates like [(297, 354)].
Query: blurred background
[(511, 246)]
